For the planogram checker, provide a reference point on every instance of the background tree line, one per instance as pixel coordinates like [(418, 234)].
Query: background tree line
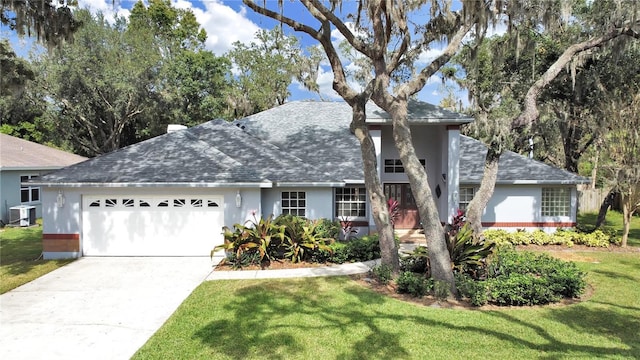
[(104, 84)]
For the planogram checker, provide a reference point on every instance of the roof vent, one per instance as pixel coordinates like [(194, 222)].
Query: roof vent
[(175, 127)]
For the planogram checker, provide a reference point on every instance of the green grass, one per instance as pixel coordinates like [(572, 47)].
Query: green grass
[(19, 249), (614, 221), (336, 318)]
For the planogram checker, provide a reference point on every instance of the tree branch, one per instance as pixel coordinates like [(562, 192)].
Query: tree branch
[(420, 80), (531, 112)]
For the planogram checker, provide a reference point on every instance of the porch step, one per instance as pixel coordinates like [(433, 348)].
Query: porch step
[(411, 236)]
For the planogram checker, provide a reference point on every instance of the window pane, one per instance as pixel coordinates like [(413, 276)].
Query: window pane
[(24, 195), (352, 204), (35, 194), (556, 202)]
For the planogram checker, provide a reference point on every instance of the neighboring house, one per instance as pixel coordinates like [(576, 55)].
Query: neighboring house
[(171, 195), (20, 161)]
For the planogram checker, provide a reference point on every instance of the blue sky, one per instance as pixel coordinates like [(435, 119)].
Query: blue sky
[(227, 21)]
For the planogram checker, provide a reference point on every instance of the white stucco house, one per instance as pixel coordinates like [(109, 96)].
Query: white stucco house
[(20, 161), (171, 195)]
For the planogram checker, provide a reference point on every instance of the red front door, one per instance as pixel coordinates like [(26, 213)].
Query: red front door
[(408, 217)]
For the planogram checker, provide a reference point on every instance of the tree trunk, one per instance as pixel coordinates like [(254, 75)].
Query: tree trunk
[(439, 258), (388, 249), (594, 171), (487, 186), (606, 204), (626, 218)]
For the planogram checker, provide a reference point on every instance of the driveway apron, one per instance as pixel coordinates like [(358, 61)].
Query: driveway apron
[(96, 308)]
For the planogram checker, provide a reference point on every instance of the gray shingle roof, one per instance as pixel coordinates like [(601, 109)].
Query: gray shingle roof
[(16, 153), (316, 132), (299, 142), (513, 168), (214, 152)]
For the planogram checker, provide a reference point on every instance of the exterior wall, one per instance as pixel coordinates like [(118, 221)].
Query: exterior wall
[(10, 192), (62, 226), (431, 144), (515, 207), (319, 201)]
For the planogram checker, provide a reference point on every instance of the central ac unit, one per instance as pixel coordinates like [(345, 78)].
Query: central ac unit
[(22, 215)]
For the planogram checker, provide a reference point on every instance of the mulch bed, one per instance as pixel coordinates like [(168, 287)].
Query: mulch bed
[(274, 265)]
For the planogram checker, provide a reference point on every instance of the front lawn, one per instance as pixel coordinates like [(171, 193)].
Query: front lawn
[(20, 262), (614, 221), (336, 318)]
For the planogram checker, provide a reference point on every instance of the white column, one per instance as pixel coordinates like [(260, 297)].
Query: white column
[(376, 136), (453, 170)]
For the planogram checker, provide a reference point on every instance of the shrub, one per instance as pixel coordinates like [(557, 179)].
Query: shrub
[(245, 259), (521, 289), (530, 278), (523, 278), (468, 254), (441, 289), (417, 261), (261, 236), (596, 238), (382, 273), (303, 239), (340, 252), (413, 284), (328, 229), (363, 249), (474, 290)]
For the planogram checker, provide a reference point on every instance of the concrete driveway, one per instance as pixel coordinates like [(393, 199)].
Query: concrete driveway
[(96, 308)]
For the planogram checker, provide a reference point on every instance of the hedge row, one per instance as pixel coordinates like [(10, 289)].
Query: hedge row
[(569, 238)]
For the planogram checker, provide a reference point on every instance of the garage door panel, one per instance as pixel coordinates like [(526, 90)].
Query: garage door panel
[(168, 226)]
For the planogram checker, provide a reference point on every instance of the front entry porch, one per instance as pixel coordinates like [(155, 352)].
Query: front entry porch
[(408, 217)]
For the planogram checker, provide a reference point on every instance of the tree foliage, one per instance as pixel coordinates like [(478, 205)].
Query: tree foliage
[(117, 84), (97, 85), (573, 31), (52, 22), (265, 69)]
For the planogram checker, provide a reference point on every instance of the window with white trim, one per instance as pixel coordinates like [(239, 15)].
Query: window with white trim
[(395, 166), (29, 193), (465, 195), (294, 203), (351, 202), (556, 201)]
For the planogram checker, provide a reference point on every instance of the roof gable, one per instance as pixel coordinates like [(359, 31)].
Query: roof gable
[(16, 153)]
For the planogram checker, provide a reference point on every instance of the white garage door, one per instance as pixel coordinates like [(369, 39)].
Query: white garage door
[(151, 225)]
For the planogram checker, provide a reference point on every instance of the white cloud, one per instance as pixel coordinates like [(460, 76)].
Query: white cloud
[(426, 57), (325, 84), (223, 25), (108, 8)]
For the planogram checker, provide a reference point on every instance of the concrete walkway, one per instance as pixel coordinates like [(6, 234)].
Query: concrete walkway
[(332, 270), (95, 308)]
